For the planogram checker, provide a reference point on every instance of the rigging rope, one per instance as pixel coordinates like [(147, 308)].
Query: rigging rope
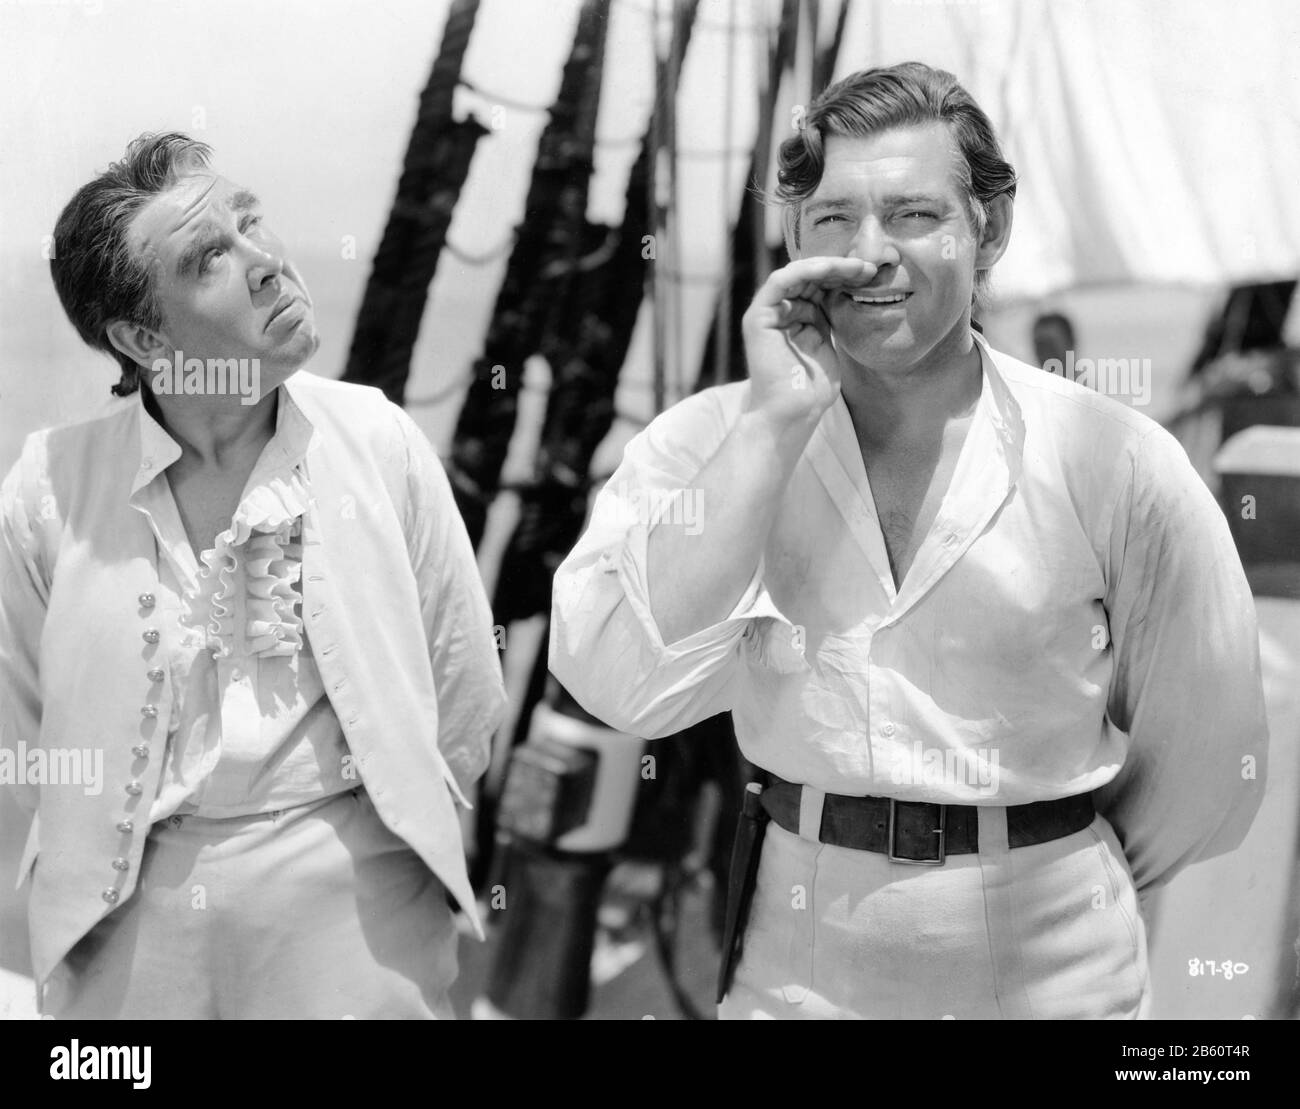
[(705, 24), (487, 256)]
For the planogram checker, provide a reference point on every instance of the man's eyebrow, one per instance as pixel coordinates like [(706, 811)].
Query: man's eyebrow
[(243, 200), (901, 200), (206, 236), (893, 200), (826, 202)]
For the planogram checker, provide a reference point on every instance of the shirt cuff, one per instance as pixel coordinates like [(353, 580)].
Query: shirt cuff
[(630, 565)]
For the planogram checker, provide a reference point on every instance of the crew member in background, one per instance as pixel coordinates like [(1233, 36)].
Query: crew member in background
[(1053, 339)]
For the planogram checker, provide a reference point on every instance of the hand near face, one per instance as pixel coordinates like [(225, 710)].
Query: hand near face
[(793, 366)]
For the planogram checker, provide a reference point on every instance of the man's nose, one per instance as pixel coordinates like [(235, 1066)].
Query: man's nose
[(873, 244), (264, 265)]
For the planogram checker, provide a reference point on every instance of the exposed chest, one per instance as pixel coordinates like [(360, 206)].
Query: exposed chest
[(207, 500), (908, 484)]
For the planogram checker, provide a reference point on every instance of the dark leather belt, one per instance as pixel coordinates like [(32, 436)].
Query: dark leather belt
[(920, 832)]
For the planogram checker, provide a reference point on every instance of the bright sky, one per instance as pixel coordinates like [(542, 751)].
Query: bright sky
[(1155, 138)]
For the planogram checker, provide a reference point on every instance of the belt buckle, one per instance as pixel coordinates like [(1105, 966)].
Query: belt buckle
[(894, 857)]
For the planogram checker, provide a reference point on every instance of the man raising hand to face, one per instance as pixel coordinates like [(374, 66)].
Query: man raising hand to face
[(967, 616)]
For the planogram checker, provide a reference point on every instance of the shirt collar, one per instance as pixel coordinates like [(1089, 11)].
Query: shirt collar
[(158, 450), (996, 404), (988, 467), (1002, 408)]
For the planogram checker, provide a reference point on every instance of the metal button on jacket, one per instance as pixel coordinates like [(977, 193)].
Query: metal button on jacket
[(126, 826), (147, 600), (121, 864), (151, 635), (140, 750), (110, 896), (155, 675), (134, 788), (149, 710)]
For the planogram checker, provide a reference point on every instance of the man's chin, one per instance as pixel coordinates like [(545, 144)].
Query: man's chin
[(274, 372), (293, 356), (273, 378), (894, 351)]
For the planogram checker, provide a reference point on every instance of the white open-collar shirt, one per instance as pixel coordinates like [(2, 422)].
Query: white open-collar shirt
[(1076, 619)]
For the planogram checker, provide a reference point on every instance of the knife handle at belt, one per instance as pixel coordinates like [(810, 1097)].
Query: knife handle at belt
[(741, 879)]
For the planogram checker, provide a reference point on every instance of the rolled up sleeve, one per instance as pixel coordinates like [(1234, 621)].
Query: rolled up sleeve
[(606, 647), (1187, 687)]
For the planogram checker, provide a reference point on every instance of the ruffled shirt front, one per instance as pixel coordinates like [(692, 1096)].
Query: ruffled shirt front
[(247, 598), (252, 730)]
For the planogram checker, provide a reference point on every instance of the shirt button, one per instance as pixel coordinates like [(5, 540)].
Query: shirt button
[(147, 600), (151, 635), (887, 728), (140, 750), (126, 827), (155, 675), (110, 896), (121, 864), (134, 788), (151, 711)]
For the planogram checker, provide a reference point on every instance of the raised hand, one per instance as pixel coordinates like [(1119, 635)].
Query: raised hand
[(793, 367)]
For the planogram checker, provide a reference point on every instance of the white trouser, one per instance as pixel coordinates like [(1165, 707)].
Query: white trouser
[(315, 912), (1049, 931)]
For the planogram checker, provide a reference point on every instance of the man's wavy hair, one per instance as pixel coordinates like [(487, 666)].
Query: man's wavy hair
[(99, 278), (875, 100)]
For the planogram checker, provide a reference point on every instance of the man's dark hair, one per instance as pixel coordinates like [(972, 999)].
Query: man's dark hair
[(99, 278), (874, 100)]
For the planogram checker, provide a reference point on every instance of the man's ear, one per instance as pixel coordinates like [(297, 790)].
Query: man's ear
[(141, 344), (997, 233)]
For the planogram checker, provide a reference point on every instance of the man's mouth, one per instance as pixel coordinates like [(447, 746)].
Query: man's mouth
[(879, 300), (281, 306)]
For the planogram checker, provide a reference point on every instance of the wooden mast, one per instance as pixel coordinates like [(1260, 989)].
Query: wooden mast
[(549, 241), (437, 162)]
